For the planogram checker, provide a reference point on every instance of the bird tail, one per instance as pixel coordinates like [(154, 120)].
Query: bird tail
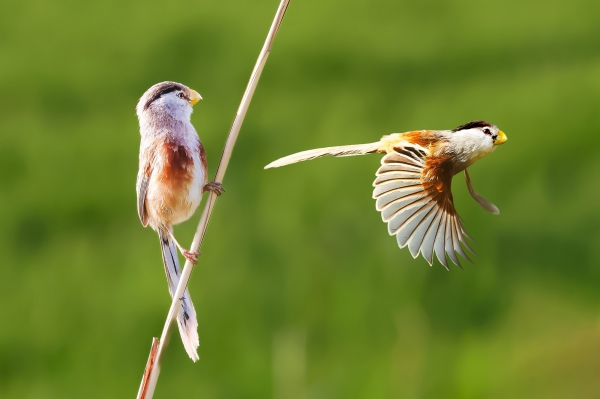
[(186, 317), (339, 151)]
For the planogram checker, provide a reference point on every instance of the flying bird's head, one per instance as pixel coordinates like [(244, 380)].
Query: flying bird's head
[(474, 140), (173, 99)]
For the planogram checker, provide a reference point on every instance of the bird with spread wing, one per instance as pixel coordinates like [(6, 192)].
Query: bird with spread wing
[(413, 185)]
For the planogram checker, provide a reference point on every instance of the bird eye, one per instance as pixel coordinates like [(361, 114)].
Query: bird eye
[(486, 131), (180, 95)]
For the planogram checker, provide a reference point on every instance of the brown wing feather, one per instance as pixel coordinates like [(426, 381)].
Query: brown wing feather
[(141, 189), (414, 195), (204, 163)]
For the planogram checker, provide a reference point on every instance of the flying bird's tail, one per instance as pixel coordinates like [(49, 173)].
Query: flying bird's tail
[(339, 151), (186, 318)]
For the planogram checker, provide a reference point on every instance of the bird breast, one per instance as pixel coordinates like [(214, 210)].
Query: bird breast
[(466, 153), (175, 189)]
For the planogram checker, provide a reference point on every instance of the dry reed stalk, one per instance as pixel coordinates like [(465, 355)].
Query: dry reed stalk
[(152, 371)]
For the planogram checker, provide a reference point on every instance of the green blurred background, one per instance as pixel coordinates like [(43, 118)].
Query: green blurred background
[(300, 292)]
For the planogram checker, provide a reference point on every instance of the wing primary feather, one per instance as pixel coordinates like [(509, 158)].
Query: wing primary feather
[(397, 176), (458, 247), (411, 153), (387, 199), (462, 222), (429, 240), (384, 188), (416, 238), (416, 153), (439, 243), (460, 230), (467, 234), (142, 188), (450, 240), (408, 227), (398, 167), (398, 208), (465, 242), (398, 158), (400, 217)]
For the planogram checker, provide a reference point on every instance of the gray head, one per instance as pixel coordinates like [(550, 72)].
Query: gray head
[(172, 98)]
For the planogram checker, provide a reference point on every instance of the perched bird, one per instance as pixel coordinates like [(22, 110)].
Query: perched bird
[(413, 184), (171, 179)]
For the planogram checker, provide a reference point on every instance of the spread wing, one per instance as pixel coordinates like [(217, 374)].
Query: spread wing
[(413, 193), (141, 187)]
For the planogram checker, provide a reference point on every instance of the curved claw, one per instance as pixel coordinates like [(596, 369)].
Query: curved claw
[(215, 187), (191, 256)]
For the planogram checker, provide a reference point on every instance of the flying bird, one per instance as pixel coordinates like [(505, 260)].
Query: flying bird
[(171, 179), (413, 185)]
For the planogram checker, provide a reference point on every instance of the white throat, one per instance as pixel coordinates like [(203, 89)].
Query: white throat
[(469, 146)]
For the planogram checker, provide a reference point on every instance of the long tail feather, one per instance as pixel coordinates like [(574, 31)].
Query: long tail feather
[(339, 151), (186, 318)]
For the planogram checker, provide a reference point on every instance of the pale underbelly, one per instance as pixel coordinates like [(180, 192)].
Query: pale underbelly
[(167, 208), (169, 204)]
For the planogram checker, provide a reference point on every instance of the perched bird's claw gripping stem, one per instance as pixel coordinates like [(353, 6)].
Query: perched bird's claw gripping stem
[(215, 187), (191, 256)]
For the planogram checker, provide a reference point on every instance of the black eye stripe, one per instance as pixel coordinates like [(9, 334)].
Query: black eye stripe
[(168, 87), (471, 125)]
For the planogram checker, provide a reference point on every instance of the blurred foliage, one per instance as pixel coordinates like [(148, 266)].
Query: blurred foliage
[(300, 291)]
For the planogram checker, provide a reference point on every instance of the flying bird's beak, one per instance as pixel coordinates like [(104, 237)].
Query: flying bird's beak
[(194, 97), (501, 139)]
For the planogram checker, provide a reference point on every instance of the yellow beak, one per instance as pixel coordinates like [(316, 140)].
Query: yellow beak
[(194, 97), (501, 139)]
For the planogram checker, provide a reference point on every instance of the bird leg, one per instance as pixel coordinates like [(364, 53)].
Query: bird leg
[(189, 255), (215, 187)]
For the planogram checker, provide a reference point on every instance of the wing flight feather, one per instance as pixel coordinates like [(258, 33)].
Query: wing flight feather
[(412, 192), (142, 189)]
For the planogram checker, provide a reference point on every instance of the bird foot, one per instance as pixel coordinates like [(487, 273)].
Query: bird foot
[(191, 256), (215, 187)]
